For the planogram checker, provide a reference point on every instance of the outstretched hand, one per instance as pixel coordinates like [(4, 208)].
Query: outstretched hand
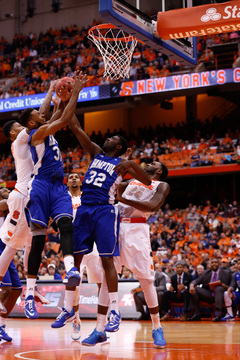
[(122, 167), (80, 80)]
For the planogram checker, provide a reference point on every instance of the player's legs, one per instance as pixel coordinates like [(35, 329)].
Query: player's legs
[(34, 260), (12, 291)]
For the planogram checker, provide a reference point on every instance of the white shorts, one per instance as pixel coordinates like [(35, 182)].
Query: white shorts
[(94, 267), (16, 223), (135, 250)]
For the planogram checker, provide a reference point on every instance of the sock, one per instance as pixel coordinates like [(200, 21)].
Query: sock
[(229, 310), (114, 301), (68, 262), (31, 282), (101, 322), (68, 300), (155, 321), (76, 296), (2, 321)]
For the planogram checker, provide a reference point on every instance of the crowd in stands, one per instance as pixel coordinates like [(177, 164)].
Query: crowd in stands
[(161, 143), (32, 60)]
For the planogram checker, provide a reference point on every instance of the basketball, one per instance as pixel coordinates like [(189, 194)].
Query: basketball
[(64, 89)]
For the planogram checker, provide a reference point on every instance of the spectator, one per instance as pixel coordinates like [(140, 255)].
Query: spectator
[(214, 282), (178, 292), (52, 272)]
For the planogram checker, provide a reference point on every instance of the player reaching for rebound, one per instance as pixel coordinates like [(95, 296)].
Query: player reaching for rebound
[(136, 202), (97, 219), (90, 261), (48, 197)]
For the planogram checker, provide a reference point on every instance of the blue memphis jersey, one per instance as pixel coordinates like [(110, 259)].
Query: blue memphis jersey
[(48, 164), (237, 279), (101, 181)]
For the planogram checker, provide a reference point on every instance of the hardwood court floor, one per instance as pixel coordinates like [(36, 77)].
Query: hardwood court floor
[(36, 340)]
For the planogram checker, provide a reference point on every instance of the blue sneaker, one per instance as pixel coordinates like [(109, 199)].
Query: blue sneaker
[(228, 317), (63, 318), (94, 338), (72, 277), (4, 335), (158, 337), (114, 322), (76, 330), (30, 309)]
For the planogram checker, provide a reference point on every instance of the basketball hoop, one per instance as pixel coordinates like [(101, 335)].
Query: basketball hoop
[(116, 49)]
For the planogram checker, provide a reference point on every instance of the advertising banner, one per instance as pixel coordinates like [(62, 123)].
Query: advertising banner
[(54, 292), (199, 21)]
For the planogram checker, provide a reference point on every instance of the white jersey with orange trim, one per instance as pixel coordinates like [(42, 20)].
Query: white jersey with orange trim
[(134, 237), (23, 161), (140, 192), (15, 231), (91, 261), (76, 202)]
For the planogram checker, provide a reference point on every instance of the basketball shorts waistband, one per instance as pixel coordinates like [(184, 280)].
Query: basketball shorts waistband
[(133, 220)]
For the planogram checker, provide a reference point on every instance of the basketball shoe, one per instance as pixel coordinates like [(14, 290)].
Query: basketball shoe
[(158, 337), (30, 309), (114, 322), (63, 318), (76, 328), (72, 277), (38, 297), (4, 335), (228, 317), (94, 338)]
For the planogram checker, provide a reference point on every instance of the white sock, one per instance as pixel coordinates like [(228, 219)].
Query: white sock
[(31, 282), (101, 322), (2, 321), (68, 262), (68, 300), (229, 310), (155, 321), (114, 301), (76, 296)]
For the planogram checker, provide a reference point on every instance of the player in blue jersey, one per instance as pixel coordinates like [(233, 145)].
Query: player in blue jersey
[(48, 197), (232, 295), (97, 219), (11, 287)]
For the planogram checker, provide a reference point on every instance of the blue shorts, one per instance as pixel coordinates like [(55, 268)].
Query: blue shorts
[(236, 302), (47, 200), (99, 224), (11, 277)]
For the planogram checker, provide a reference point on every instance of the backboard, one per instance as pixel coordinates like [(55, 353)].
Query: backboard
[(139, 18)]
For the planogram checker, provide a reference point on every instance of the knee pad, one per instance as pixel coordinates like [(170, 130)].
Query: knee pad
[(65, 224)]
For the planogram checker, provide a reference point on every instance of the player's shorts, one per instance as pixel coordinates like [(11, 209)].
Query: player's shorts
[(99, 224), (11, 277), (47, 199), (236, 302), (135, 248), (16, 222), (94, 267)]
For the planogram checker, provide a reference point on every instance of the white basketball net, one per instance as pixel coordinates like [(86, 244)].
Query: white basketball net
[(116, 49)]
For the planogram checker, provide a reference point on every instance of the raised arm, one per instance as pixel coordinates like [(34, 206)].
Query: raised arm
[(48, 129), (86, 143), (45, 107), (130, 167), (151, 205)]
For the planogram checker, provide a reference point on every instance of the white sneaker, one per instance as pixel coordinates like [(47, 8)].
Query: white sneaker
[(76, 329)]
